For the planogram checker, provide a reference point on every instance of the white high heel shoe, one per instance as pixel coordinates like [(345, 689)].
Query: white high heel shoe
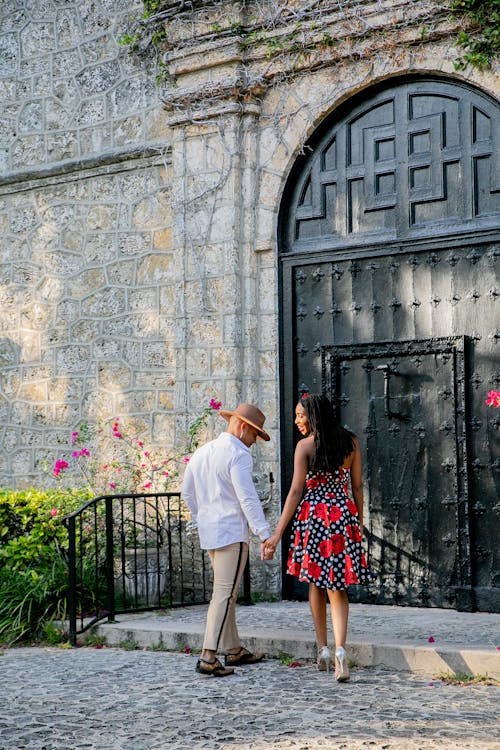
[(324, 659), (341, 666)]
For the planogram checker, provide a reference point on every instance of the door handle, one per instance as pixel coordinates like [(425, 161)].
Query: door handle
[(387, 372)]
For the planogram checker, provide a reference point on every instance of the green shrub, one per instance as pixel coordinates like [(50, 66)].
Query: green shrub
[(33, 565)]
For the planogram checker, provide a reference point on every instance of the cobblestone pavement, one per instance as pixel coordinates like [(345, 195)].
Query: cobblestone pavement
[(112, 699)]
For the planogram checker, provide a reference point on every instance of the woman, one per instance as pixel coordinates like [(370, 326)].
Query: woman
[(325, 546)]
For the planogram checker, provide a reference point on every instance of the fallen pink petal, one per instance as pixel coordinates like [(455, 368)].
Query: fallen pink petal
[(431, 639)]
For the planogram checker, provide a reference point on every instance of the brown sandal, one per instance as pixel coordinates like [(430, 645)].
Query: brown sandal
[(243, 656), (213, 668)]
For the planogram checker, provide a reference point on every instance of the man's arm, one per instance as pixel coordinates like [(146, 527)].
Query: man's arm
[(242, 480)]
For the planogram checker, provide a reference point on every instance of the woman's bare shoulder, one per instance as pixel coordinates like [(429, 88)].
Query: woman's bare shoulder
[(305, 445)]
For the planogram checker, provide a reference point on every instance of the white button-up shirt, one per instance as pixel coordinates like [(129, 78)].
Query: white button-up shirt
[(219, 491)]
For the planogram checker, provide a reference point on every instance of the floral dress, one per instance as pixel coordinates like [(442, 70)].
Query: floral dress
[(326, 539)]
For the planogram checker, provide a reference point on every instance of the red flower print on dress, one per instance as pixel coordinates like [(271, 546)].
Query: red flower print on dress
[(306, 538), (350, 576), (321, 511), (313, 569), (321, 478), (331, 575), (351, 507), (325, 547), (335, 513), (305, 509), (338, 544), (312, 483), (353, 533), (294, 568), (296, 539), (330, 495), (364, 564)]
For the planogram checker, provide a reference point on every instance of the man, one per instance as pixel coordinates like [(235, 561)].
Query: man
[(219, 491)]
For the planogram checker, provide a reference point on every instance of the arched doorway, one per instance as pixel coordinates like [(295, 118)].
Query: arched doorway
[(388, 233)]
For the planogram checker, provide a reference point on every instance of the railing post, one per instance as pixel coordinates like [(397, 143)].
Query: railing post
[(110, 562), (72, 580)]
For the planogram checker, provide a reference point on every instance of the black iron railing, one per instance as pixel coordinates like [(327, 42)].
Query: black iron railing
[(132, 553)]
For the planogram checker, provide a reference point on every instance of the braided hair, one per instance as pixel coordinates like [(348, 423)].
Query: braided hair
[(332, 442)]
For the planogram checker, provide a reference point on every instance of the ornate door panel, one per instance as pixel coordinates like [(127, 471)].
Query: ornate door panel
[(389, 292)]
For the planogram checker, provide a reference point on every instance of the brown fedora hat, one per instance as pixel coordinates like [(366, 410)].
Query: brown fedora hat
[(249, 414)]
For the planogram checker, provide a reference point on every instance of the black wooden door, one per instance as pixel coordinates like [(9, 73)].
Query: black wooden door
[(388, 234)]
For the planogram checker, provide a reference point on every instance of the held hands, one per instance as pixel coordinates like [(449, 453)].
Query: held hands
[(268, 548)]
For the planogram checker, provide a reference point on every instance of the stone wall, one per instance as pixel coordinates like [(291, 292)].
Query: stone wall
[(87, 281)]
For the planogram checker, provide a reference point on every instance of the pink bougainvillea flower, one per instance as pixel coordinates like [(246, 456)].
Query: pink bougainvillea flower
[(166, 474), (186, 459), (59, 465), (146, 453), (82, 452), (431, 639), (295, 664), (147, 486), (493, 399), (187, 650), (112, 485), (74, 436), (54, 512), (117, 434), (216, 405)]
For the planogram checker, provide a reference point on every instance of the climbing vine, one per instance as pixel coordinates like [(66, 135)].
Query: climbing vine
[(307, 31), (481, 40)]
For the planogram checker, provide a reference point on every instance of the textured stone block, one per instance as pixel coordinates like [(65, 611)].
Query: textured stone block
[(98, 78), (114, 376)]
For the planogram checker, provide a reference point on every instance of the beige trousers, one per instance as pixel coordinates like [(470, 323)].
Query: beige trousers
[(228, 564)]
